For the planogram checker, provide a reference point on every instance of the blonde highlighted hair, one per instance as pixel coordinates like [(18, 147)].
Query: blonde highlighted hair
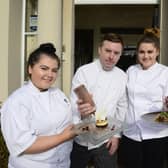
[(154, 31)]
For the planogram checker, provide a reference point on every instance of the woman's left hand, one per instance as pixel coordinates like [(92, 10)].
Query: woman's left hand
[(69, 132)]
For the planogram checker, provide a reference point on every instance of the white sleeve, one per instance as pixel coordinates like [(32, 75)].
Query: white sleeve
[(122, 107), (165, 90), (15, 118)]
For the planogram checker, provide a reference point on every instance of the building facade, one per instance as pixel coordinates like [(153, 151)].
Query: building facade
[(57, 22)]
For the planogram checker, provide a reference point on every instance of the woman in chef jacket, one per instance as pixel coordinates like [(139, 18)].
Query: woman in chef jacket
[(143, 143), (36, 120)]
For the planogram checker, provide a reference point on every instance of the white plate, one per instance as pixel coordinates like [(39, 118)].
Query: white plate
[(82, 128), (96, 135), (150, 117)]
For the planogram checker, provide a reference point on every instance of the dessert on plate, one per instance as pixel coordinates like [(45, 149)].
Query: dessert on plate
[(162, 117), (101, 118), (101, 123)]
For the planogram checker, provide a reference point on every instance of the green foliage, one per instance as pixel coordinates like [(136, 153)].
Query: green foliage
[(3, 153)]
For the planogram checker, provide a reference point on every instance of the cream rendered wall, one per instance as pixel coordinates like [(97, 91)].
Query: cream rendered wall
[(14, 62), (50, 26), (164, 32), (68, 45), (10, 42), (4, 18)]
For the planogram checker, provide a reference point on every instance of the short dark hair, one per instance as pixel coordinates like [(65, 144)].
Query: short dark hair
[(45, 48), (113, 38)]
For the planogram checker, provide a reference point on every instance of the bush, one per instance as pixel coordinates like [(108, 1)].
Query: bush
[(3, 153)]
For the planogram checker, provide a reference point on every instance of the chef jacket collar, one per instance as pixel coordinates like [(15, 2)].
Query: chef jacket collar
[(99, 65), (35, 90), (150, 68)]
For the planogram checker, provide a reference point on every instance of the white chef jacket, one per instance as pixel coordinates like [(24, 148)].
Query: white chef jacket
[(146, 90), (29, 113), (108, 91)]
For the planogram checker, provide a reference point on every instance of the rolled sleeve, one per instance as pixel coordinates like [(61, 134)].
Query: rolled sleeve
[(16, 128)]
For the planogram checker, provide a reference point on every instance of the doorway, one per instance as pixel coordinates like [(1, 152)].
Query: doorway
[(127, 20), (83, 47)]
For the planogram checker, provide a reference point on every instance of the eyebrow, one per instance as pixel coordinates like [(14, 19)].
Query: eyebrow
[(48, 67), (146, 50), (44, 66)]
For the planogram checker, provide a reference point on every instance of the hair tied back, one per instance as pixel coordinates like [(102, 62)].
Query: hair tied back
[(154, 31), (47, 48)]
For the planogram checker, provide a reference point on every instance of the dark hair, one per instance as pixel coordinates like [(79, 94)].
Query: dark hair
[(113, 38), (149, 37), (45, 48)]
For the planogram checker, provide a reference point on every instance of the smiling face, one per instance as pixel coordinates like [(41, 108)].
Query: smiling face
[(147, 54), (43, 73), (109, 54)]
